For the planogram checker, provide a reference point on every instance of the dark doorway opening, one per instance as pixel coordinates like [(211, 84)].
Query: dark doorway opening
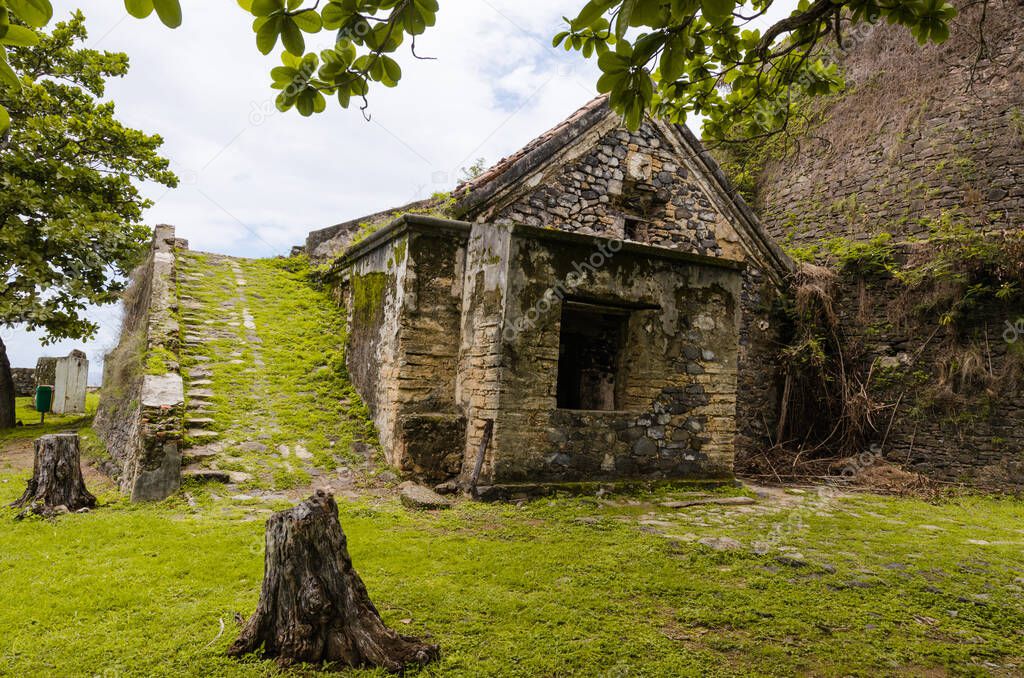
[(590, 351)]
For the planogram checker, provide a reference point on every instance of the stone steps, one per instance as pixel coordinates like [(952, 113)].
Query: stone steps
[(210, 475), (201, 434)]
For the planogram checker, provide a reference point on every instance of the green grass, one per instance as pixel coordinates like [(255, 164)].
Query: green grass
[(26, 413), (290, 387), (553, 588), (859, 585)]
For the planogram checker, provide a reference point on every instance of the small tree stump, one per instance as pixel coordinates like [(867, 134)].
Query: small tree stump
[(56, 485), (313, 607)]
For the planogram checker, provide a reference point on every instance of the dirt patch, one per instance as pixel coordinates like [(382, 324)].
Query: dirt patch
[(17, 456)]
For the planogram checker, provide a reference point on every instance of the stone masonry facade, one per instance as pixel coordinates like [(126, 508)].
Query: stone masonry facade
[(656, 186), (142, 412), (457, 329)]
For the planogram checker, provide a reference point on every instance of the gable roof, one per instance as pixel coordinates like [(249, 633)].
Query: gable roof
[(478, 190), (482, 193)]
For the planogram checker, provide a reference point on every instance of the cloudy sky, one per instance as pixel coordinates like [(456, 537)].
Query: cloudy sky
[(254, 181)]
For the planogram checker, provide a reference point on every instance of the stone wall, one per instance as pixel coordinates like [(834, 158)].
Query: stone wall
[(675, 389), (590, 176), (439, 350), (924, 137), (24, 381), (46, 371), (681, 202), (957, 389), (922, 131), (141, 413)]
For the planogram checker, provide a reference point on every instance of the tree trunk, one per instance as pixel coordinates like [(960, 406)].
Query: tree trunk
[(6, 389), (57, 484), (313, 606)]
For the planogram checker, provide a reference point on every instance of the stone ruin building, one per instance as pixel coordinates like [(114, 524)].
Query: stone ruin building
[(603, 306), (582, 312)]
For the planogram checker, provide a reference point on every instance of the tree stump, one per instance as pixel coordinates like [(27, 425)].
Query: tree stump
[(56, 485), (313, 607)]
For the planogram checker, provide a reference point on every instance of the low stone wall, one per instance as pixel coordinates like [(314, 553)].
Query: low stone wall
[(141, 414), (24, 381)]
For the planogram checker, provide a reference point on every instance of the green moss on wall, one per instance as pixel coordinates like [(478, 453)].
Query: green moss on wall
[(160, 360), (368, 292)]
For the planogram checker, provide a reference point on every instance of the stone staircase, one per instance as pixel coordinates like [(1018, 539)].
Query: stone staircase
[(260, 356)]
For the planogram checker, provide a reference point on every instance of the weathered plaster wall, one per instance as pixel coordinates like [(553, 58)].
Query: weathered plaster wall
[(141, 414), (373, 294), (478, 385), (677, 405), (404, 295), (71, 381)]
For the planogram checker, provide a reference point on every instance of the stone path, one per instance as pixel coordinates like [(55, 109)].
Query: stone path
[(231, 408)]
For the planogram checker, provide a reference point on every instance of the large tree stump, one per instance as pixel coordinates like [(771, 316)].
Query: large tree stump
[(313, 606), (56, 485)]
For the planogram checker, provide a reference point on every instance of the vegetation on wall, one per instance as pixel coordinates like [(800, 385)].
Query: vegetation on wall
[(946, 285), (439, 205)]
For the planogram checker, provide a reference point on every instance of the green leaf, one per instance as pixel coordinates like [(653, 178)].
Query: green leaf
[(169, 12), (8, 76), (5, 120), (246, 5), (717, 11), (622, 20), (613, 62), (309, 22), (590, 13), (392, 71), (266, 35), (35, 13), (19, 36), (267, 7), (673, 58), (283, 75), (291, 36), (334, 16), (646, 46), (140, 9)]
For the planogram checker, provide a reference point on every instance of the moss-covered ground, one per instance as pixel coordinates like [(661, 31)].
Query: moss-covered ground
[(267, 346), (571, 586), (812, 585)]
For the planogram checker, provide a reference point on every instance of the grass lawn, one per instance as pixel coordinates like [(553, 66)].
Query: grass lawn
[(847, 585), (861, 585), (24, 411)]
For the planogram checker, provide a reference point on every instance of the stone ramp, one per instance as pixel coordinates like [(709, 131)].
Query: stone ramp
[(260, 351)]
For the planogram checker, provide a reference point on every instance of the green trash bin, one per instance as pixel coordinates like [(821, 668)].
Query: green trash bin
[(44, 399)]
